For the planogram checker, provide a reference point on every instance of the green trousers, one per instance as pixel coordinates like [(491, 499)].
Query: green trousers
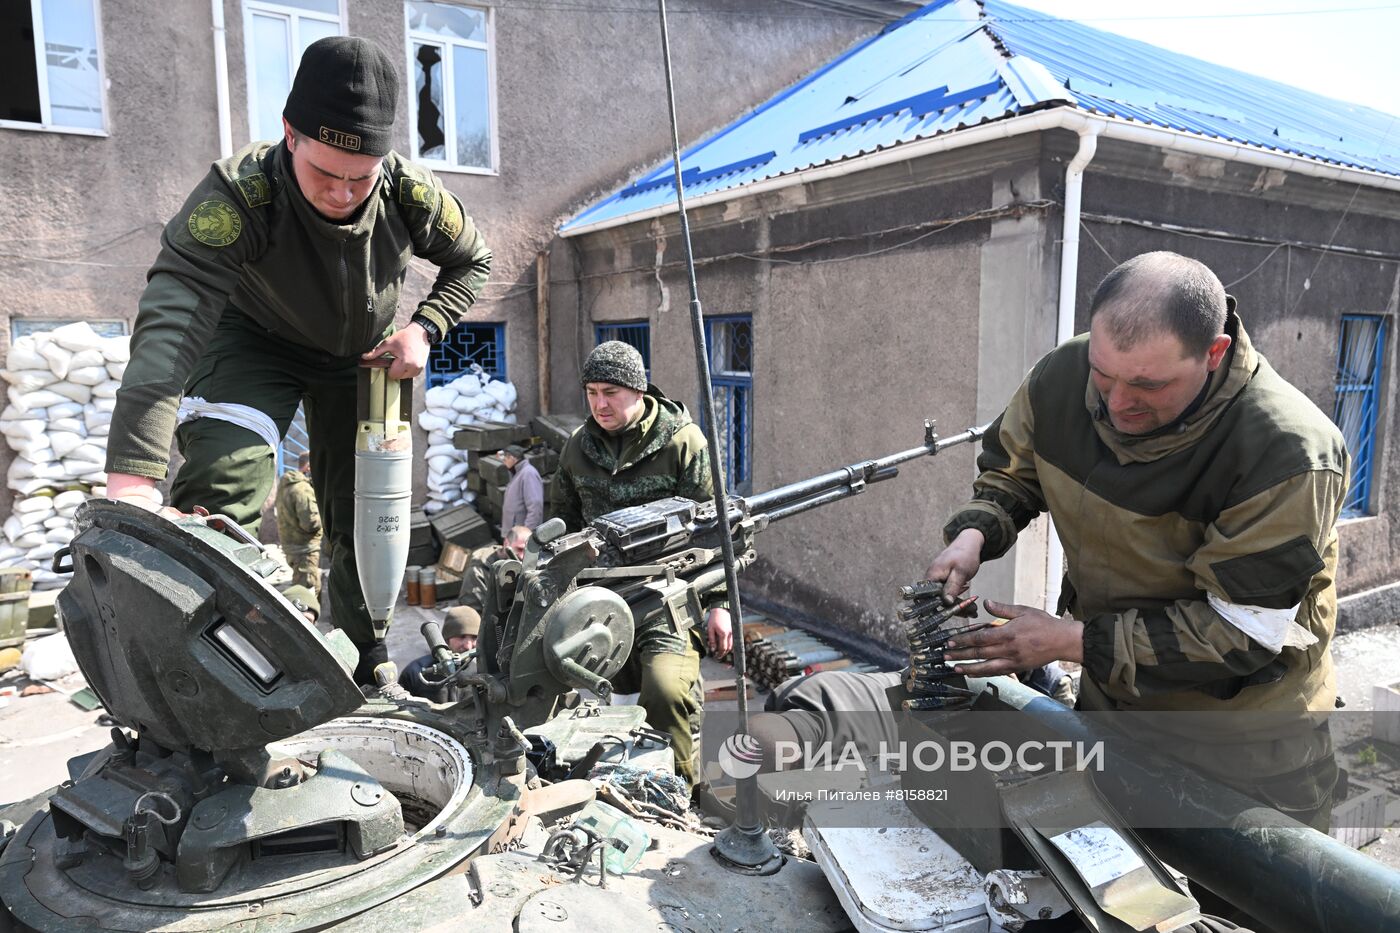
[(672, 692), (231, 470)]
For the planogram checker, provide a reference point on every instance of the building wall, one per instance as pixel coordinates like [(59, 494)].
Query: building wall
[(858, 337), (851, 355), (579, 96)]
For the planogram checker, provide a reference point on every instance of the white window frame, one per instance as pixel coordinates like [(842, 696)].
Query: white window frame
[(449, 91), (46, 124), (293, 15)]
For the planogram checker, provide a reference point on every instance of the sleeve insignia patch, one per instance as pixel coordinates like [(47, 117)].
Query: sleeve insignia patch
[(417, 193), (255, 189), (450, 217), (215, 223)]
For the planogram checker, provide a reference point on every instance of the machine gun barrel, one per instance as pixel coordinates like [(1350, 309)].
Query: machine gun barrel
[(817, 491)]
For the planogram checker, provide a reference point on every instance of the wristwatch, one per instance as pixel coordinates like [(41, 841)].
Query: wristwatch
[(434, 333)]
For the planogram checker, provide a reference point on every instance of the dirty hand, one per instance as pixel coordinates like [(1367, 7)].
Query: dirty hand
[(408, 349), (721, 632), (1028, 639), (959, 562)]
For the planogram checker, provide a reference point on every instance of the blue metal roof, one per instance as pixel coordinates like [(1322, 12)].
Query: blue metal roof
[(959, 63)]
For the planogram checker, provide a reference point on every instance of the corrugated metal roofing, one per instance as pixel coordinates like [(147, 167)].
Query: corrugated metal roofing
[(959, 63)]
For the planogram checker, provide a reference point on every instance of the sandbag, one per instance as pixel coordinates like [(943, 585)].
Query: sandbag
[(104, 404), (76, 336), (80, 468), (12, 528), (466, 384), (24, 428), (73, 390), (48, 658), (25, 355), (69, 499), (58, 536), (84, 358), (41, 504), (65, 442), (116, 349), (89, 376), (64, 410), (439, 397), (438, 464), (28, 401), (439, 450), (503, 392), (430, 422), (27, 380), (106, 389), (116, 370), (28, 540), (57, 521), (91, 452), (68, 425), (92, 417), (59, 358)]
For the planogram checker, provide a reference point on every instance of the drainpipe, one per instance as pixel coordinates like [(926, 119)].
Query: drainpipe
[(221, 79), (1064, 322)]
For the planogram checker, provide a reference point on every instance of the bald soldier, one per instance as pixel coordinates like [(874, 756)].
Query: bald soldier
[(1196, 493), (275, 283)]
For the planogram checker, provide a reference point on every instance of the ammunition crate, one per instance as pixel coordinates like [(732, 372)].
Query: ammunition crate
[(454, 557), (475, 483), (493, 471), (545, 461), (554, 430), (420, 531), (41, 608), (496, 495), (462, 525), (449, 586), (423, 555), (14, 605), (490, 436)]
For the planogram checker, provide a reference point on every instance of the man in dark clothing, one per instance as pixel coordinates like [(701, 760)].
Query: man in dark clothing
[(638, 446), (459, 629), (276, 282)]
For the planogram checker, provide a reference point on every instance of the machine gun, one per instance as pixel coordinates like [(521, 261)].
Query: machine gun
[(563, 618)]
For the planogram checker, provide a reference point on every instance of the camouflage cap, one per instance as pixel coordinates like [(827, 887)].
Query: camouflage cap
[(617, 363), (459, 621)]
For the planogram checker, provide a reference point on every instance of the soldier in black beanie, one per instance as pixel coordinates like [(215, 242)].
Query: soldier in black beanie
[(275, 282)]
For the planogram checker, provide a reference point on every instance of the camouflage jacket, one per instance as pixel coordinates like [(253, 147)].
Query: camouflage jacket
[(298, 518), (247, 238), (664, 454), (1201, 557)]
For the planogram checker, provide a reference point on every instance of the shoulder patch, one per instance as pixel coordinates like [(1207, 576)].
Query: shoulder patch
[(215, 223), (450, 217), (417, 193), (255, 189)]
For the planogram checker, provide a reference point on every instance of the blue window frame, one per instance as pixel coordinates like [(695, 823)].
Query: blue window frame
[(730, 343), (637, 333), (463, 345), (1360, 362)]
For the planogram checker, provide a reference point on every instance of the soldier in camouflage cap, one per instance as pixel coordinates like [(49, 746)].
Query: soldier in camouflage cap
[(638, 446)]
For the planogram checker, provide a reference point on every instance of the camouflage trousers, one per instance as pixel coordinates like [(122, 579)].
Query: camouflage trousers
[(305, 561), (230, 469), (665, 669)]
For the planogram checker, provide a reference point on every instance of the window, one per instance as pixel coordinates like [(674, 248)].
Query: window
[(1360, 360), (24, 326), (452, 103), (730, 342), (274, 36), (51, 76), (463, 345), (637, 334)]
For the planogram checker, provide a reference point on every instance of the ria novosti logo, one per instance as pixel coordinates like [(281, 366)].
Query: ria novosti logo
[(740, 756)]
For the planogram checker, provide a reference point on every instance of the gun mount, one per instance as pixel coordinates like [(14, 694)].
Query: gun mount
[(563, 618)]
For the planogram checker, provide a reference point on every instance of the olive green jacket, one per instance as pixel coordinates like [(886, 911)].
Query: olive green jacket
[(663, 454), (298, 518), (247, 238), (479, 567), (1201, 557)]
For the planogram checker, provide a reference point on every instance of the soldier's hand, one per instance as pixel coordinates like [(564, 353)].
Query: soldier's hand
[(405, 352), (139, 491), (958, 563), (720, 629), (1028, 639)]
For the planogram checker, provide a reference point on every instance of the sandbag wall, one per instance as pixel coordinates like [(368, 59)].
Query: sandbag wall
[(62, 388), (471, 398)]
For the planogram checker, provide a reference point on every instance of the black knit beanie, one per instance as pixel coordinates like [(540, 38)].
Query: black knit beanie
[(344, 95)]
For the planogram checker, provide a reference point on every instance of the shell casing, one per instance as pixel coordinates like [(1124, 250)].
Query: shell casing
[(922, 590)]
